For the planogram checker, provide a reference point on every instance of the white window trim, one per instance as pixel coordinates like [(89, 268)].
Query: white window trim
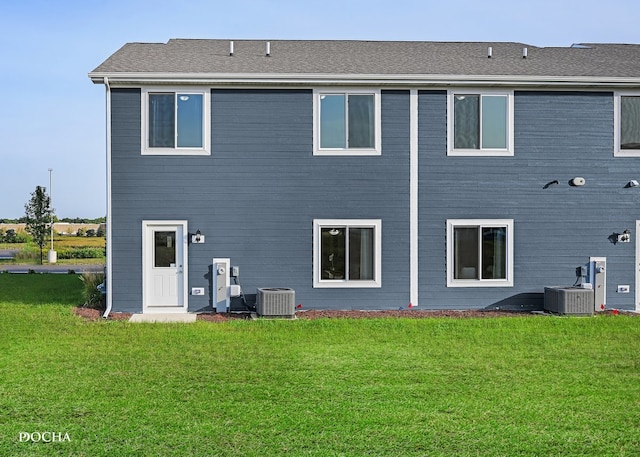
[(376, 224), (206, 119), (508, 282), (617, 152), (375, 151), (479, 152)]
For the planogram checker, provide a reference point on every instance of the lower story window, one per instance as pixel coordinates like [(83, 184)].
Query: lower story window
[(480, 252), (347, 253)]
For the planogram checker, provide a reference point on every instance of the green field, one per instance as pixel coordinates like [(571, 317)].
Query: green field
[(519, 386), (62, 241), (29, 253)]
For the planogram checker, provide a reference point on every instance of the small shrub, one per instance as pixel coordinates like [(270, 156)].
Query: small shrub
[(80, 232), (27, 253), (11, 236), (91, 232), (92, 297), (100, 232), (81, 253)]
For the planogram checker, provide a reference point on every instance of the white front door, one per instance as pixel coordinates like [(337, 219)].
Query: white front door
[(164, 264)]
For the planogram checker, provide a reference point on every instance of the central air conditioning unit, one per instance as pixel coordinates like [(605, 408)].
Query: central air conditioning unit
[(276, 301), (569, 300)]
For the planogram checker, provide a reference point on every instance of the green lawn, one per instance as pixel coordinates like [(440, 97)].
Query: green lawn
[(380, 387)]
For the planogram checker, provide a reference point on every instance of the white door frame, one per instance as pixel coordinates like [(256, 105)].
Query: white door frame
[(147, 262)]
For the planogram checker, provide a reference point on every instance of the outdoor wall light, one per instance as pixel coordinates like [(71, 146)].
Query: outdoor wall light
[(197, 238), (633, 183), (624, 237)]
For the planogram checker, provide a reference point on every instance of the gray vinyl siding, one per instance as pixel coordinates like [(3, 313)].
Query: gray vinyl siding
[(126, 241), (263, 142), (256, 196), (558, 136)]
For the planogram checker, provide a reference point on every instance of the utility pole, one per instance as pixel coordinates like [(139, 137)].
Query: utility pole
[(52, 257)]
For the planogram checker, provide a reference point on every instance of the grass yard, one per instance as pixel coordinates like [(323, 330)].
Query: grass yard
[(378, 387)]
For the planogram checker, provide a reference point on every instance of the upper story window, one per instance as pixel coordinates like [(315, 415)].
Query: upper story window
[(347, 122), (627, 124), (175, 122), (347, 253), (480, 253), (480, 123)]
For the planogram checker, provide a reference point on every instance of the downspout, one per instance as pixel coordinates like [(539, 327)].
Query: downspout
[(414, 192), (109, 269)]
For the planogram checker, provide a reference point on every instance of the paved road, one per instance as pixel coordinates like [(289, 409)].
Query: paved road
[(52, 268), (7, 254)]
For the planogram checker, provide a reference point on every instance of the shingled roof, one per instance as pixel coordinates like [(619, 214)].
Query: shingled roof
[(387, 60)]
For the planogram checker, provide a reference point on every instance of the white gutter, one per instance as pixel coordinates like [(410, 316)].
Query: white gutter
[(109, 271), (125, 79)]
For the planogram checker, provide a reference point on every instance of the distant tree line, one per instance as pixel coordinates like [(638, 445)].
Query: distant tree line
[(71, 220)]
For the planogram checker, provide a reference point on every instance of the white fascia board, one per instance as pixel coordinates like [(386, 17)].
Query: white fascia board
[(125, 79)]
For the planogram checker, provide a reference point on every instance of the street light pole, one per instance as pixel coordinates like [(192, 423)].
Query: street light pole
[(52, 258), (51, 201)]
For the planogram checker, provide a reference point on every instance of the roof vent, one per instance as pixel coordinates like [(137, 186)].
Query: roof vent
[(268, 53), (524, 53), (489, 52), (231, 48)]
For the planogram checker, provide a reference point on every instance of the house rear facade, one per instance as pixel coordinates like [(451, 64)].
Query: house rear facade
[(370, 175)]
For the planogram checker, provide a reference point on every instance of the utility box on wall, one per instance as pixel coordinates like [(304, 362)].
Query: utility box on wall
[(221, 281), (598, 277)]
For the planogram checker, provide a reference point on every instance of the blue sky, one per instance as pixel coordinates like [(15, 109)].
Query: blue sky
[(52, 116)]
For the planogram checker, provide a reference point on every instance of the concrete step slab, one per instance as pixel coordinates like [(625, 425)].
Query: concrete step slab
[(164, 318)]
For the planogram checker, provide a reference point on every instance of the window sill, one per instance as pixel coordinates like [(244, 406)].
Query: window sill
[(477, 283), (175, 152), (627, 153), (347, 152), (339, 284), (480, 153)]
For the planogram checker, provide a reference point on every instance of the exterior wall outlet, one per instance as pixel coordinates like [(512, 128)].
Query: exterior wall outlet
[(197, 291), (623, 288)]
